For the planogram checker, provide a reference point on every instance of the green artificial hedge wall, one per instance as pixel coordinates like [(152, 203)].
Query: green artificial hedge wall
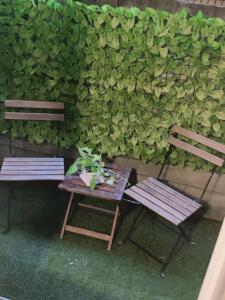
[(125, 75)]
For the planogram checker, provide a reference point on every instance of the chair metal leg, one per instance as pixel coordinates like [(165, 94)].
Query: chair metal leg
[(169, 257), (182, 234), (134, 225), (186, 236), (9, 200), (165, 262), (7, 227)]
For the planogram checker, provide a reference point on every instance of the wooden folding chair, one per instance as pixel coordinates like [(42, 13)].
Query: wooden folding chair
[(157, 196), (31, 168)]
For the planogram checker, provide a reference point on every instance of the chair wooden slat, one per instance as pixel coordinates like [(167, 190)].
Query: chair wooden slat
[(33, 104), (31, 177), (29, 168), (33, 163), (32, 169), (174, 203), (175, 193), (154, 187), (198, 138), (35, 159), (33, 172), (152, 206), (159, 203), (34, 116), (170, 208), (196, 151)]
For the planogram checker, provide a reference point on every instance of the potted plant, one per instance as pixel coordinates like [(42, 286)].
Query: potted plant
[(91, 169)]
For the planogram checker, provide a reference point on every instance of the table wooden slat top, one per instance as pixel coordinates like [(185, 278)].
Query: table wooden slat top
[(30, 168), (115, 192)]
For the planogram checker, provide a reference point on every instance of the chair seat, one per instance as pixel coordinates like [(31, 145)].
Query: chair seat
[(32, 169), (163, 200)]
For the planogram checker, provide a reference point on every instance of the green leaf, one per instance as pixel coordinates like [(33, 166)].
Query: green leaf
[(102, 41), (134, 140), (115, 43), (158, 70), (147, 88), (216, 127), (181, 92), (72, 169), (158, 91), (37, 52), (187, 30), (84, 151), (150, 41), (99, 21), (205, 58), (115, 22), (131, 87), (217, 94), (200, 95), (220, 115), (163, 52), (33, 2), (128, 25), (92, 183)]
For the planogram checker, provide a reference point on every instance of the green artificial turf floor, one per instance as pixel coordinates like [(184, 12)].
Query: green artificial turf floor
[(36, 264)]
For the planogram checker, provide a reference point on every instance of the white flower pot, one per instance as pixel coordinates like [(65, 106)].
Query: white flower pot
[(87, 176)]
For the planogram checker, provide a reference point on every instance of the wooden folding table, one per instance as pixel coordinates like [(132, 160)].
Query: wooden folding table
[(74, 185)]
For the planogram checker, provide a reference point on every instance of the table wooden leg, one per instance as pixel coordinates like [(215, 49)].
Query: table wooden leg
[(113, 227), (66, 215)]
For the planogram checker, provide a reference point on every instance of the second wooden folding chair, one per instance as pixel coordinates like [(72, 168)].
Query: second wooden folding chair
[(173, 205)]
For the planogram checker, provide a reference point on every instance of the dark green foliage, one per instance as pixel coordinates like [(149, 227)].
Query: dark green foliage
[(125, 75)]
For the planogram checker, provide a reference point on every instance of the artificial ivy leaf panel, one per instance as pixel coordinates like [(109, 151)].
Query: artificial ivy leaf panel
[(124, 74)]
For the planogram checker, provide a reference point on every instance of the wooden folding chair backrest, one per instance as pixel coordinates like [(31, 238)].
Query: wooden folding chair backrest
[(174, 140), (33, 116), (24, 110)]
